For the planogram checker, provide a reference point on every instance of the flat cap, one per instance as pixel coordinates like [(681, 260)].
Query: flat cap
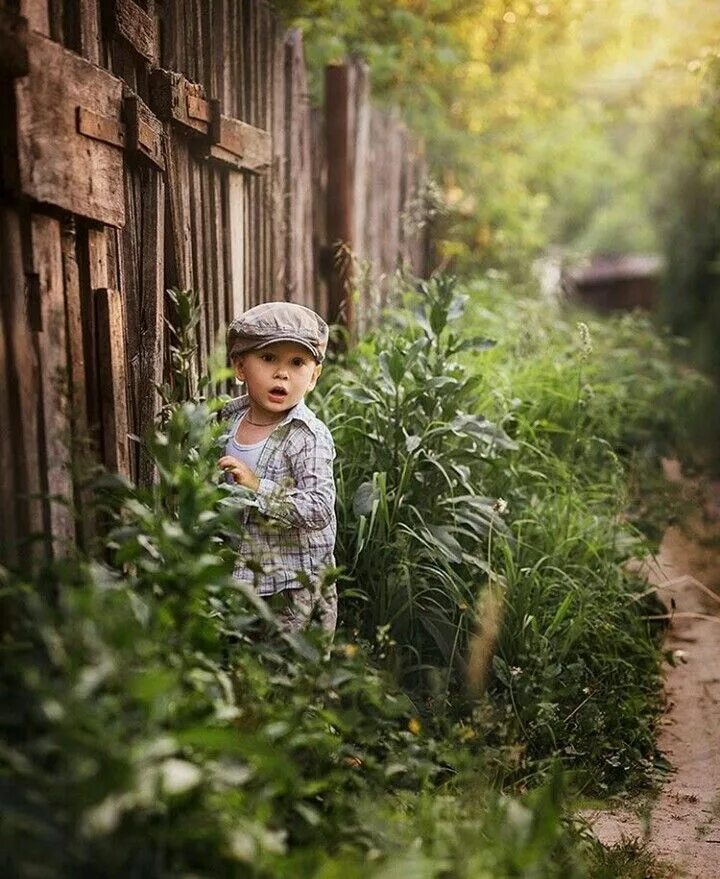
[(278, 322)]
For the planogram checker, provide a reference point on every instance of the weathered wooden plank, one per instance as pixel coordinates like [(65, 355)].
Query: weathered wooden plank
[(113, 379), (218, 182), (23, 389), (9, 534), (174, 98), (339, 189), (136, 27), (222, 36), (81, 451), (143, 131), (144, 301), (255, 65), (278, 171), (89, 30), (237, 143), (362, 173), (319, 211), (189, 67), (37, 14), (57, 164), (52, 343), (206, 47), (94, 273), (56, 14), (180, 270), (299, 176), (130, 256), (198, 257), (14, 59), (266, 69), (206, 240), (236, 243), (245, 77)]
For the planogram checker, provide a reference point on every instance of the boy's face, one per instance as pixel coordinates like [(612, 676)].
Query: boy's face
[(277, 376)]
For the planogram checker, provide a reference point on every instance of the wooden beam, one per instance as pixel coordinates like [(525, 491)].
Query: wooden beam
[(58, 164), (137, 28), (113, 379), (37, 14), (89, 27), (238, 144), (81, 452), (174, 99), (23, 389), (52, 344), (339, 191), (143, 131)]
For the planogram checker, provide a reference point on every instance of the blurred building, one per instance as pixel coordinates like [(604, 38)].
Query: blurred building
[(615, 282)]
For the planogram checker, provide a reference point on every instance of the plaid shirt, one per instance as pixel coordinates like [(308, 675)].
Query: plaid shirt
[(290, 530)]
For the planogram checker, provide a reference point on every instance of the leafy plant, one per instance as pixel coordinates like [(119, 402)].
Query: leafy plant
[(413, 521)]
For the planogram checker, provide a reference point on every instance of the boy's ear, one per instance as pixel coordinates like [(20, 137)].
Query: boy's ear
[(315, 376), (237, 362)]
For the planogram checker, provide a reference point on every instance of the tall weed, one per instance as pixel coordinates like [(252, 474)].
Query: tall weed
[(414, 521)]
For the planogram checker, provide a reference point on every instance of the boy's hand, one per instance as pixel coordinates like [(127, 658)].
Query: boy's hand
[(239, 471)]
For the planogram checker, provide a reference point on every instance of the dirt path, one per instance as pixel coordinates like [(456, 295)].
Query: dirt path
[(684, 821)]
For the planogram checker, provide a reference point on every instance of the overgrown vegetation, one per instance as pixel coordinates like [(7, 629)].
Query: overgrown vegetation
[(155, 723)]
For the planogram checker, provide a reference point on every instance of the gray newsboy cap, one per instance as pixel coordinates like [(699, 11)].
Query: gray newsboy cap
[(278, 322)]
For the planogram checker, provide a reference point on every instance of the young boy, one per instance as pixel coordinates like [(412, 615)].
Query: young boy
[(281, 451)]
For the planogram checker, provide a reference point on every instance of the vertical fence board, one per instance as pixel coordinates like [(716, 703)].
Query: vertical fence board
[(37, 14), (95, 258), (339, 190), (23, 388), (10, 525), (236, 241), (217, 180), (113, 376), (76, 366), (47, 260)]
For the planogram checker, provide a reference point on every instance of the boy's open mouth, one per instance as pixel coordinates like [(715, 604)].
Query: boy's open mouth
[(278, 393)]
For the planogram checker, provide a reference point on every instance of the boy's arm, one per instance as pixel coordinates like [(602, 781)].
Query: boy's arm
[(310, 502)]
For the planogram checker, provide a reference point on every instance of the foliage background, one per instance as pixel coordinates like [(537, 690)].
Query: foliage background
[(583, 125)]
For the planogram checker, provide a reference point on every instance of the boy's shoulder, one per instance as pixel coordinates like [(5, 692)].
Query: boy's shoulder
[(304, 421)]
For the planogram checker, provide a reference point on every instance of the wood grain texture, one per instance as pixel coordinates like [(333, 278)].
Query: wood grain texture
[(23, 388), (180, 270), (136, 27), (9, 530), (57, 164), (338, 96), (52, 346), (143, 285), (143, 131), (113, 379), (37, 13), (89, 30), (238, 144), (174, 98), (81, 449), (236, 240), (299, 176)]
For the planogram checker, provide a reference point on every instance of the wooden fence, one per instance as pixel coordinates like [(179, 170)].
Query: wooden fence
[(158, 144)]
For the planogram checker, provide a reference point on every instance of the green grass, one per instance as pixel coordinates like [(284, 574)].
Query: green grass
[(495, 659)]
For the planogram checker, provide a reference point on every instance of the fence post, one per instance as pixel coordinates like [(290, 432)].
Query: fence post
[(339, 205)]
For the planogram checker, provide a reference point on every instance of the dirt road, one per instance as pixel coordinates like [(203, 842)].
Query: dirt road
[(684, 821)]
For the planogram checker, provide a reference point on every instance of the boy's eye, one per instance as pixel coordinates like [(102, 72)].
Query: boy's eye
[(298, 361), (267, 357)]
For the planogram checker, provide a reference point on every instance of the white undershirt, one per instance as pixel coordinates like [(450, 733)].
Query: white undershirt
[(248, 454)]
